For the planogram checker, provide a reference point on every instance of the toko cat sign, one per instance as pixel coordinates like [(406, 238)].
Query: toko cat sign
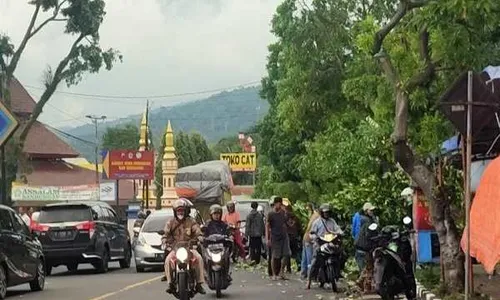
[(240, 162)]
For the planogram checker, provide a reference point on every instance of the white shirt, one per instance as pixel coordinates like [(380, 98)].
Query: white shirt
[(26, 219)]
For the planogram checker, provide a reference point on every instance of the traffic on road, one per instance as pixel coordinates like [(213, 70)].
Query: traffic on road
[(83, 250)]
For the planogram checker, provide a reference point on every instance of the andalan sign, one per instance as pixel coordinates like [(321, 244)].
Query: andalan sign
[(422, 215), (55, 193)]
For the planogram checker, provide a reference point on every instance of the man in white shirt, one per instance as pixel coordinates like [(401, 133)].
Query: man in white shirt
[(24, 216)]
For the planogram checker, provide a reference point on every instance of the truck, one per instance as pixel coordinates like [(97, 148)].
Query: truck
[(205, 184)]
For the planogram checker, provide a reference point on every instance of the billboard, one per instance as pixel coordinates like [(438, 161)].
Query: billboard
[(128, 164), (240, 162), (24, 192)]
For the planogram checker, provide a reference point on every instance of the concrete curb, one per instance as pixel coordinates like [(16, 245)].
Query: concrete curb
[(425, 294)]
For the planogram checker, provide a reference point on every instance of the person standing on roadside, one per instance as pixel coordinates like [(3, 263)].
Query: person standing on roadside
[(24, 216), (277, 237), (294, 231), (255, 229), (307, 250)]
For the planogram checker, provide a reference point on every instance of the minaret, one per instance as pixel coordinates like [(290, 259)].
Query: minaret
[(169, 168), (143, 133)]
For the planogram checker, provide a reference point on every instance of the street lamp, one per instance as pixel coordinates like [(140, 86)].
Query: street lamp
[(95, 119)]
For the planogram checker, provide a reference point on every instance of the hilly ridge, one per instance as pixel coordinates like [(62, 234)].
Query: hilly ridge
[(218, 116)]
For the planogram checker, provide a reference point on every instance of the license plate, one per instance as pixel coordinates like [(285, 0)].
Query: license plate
[(62, 234), (218, 245)]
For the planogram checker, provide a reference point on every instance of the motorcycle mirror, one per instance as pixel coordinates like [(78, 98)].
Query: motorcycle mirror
[(373, 226), (406, 220)]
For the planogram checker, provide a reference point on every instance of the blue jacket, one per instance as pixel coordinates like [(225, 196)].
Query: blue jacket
[(356, 225)]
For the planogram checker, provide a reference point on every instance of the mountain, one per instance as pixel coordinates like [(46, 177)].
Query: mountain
[(218, 116)]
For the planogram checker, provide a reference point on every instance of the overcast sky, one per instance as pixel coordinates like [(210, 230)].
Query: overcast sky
[(169, 47)]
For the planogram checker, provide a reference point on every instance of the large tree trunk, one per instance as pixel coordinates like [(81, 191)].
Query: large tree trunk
[(452, 258)]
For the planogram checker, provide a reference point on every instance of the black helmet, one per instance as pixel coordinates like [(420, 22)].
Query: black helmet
[(216, 208), (141, 215)]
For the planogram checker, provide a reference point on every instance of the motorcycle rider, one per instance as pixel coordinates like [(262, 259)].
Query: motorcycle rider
[(217, 226), (182, 228), (141, 217), (233, 218), (324, 224)]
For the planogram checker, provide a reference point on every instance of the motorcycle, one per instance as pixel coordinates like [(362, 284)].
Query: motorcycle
[(329, 251), (217, 251), (393, 267), (183, 270)]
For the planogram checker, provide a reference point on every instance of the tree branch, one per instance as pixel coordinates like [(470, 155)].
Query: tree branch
[(403, 8), (49, 90), (27, 35), (53, 18), (30, 32), (426, 75)]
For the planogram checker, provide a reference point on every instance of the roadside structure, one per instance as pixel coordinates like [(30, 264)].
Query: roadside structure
[(169, 168), (46, 155)]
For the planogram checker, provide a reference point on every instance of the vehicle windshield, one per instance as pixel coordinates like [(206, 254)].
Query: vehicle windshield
[(156, 223), (59, 214)]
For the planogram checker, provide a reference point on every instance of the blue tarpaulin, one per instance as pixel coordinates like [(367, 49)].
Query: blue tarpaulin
[(450, 145)]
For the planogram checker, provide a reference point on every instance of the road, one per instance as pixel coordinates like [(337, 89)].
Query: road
[(129, 285)]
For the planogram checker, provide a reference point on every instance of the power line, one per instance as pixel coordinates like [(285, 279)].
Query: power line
[(70, 135), (146, 97)]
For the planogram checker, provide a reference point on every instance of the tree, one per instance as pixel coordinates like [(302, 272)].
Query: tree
[(82, 19), (421, 51), (191, 149), (121, 137), (334, 64)]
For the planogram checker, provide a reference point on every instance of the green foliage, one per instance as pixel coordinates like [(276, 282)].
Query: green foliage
[(121, 137), (191, 149)]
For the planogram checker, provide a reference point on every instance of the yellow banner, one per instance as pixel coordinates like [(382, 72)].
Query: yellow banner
[(240, 162)]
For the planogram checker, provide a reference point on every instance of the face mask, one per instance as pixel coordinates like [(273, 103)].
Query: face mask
[(180, 217)]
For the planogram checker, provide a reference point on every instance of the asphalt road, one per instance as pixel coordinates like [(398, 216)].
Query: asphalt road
[(126, 284)]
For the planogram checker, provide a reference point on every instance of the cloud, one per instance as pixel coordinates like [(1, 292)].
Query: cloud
[(169, 46)]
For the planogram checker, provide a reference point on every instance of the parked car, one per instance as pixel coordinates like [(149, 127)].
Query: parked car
[(147, 248), (21, 256), (83, 232)]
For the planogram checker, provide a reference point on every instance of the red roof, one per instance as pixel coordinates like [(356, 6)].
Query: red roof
[(43, 143), (61, 173), (21, 101), (40, 142)]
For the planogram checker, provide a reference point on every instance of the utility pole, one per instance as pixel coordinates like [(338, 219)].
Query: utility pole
[(146, 182), (95, 119), (3, 196)]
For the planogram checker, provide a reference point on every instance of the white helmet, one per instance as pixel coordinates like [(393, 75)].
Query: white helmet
[(260, 208)]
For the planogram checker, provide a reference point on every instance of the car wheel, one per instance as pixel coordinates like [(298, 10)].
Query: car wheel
[(3, 283), (125, 262), (39, 282), (139, 269), (72, 267), (103, 265)]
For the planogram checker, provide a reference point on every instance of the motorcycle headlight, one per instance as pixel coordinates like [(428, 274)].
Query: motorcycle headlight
[(181, 254), (216, 257)]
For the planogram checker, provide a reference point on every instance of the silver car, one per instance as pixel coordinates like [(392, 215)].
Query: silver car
[(147, 247)]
